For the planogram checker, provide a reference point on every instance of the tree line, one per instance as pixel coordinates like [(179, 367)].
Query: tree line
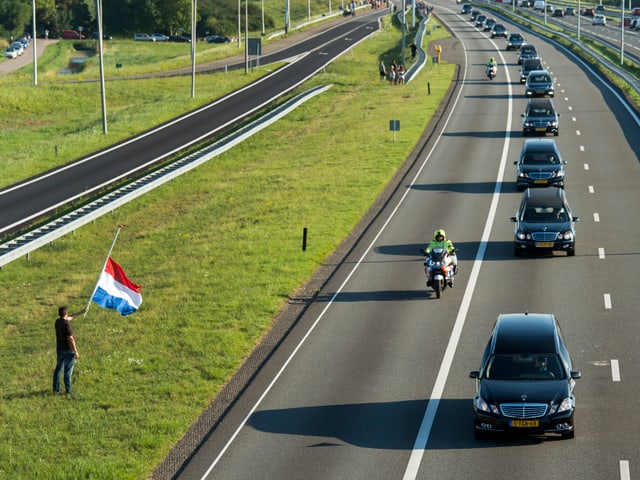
[(125, 17)]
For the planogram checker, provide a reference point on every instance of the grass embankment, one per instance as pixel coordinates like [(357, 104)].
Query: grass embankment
[(217, 252)]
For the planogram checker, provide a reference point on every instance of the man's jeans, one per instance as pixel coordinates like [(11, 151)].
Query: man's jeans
[(66, 360)]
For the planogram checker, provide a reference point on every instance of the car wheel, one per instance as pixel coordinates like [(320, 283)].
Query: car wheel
[(556, 133), (517, 252), (571, 252)]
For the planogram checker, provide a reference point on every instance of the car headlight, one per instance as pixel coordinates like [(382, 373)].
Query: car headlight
[(520, 235), (522, 174), (484, 406), (568, 235), (567, 404), (528, 124)]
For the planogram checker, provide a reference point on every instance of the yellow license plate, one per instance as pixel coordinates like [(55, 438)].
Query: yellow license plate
[(544, 244), (541, 129), (524, 423), (541, 182)]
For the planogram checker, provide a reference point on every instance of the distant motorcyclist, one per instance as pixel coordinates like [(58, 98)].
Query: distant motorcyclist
[(440, 241), (492, 68)]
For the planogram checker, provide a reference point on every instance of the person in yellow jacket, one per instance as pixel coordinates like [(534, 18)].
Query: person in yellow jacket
[(440, 241)]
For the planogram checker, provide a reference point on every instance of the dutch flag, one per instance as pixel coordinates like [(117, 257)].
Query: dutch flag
[(115, 291)]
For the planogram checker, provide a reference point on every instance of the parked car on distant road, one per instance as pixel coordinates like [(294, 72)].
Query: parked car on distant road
[(570, 11), (179, 39), (159, 37), (72, 35), (17, 46), (558, 12), (588, 12), (599, 20), (218, 39), (143, 37), (11, 53)]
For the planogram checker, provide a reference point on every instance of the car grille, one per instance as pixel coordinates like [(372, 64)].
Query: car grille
[(542, 124), (540, 175), (544, 236), (523, 410)]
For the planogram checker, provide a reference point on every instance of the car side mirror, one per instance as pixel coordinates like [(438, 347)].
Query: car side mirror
[(475, 374), (576, 374), (575, 219), (516, 162), (522, 115), (514, 219)]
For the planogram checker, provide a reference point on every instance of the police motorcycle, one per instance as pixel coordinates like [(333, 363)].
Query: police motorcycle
[(492, 71), (438, 269)]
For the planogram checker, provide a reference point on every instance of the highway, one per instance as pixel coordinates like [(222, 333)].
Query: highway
[(36, 197), (372, 383)]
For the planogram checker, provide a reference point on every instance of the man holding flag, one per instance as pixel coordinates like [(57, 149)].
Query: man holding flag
[(66, 349)]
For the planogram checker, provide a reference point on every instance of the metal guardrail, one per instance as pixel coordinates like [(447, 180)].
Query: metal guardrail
[(45, 234)]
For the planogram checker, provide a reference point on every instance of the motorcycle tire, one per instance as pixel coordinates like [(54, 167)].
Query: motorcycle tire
[(437, 286)]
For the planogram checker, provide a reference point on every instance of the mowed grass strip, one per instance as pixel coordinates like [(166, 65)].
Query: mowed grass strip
[(217, 251)]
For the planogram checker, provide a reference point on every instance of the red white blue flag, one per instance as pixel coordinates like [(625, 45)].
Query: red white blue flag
[(115, 291)]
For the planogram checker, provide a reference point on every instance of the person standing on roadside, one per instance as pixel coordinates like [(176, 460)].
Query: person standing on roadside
[(66, 350), (383, 70)]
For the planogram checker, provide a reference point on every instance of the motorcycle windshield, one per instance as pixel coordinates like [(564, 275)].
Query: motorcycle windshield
[(438, 254)]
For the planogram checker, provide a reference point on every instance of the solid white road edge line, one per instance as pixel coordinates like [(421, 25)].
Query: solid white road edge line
[(434, 399)]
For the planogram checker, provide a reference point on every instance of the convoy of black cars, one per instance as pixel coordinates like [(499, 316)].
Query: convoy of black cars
[(526, 379)]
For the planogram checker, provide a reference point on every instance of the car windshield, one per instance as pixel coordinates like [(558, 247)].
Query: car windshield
[(539, 79), (528, 49), (542, 366), (540, 112), (545, 215), (540, 158)]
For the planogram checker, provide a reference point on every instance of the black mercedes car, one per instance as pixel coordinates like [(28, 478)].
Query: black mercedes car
[(539, 84), (499, 30), (544, 222), (527, 52), (540, 116), (514, 41), (526, 378), (540, 165)]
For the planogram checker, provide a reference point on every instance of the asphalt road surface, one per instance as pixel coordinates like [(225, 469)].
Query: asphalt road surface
[(36, 197), (372, 383)]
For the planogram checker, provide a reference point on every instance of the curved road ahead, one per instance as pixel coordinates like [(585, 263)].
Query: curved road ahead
[(35, 197)]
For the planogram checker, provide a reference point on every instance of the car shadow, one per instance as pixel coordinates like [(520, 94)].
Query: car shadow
[(469, 188), (382, 425)]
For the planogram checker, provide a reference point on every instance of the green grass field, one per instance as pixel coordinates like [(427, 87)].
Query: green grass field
[(217, 251)]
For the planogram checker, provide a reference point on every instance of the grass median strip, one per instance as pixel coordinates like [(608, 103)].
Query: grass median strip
[(218, 252)]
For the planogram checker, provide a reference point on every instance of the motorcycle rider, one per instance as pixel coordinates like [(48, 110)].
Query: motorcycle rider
[(440, 241), (491, 64)]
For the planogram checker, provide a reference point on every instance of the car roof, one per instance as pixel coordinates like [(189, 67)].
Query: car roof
[(517, 333), (547, 197), (541, 103)]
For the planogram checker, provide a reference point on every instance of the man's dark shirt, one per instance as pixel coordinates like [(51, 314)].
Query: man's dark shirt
[(63, 332)]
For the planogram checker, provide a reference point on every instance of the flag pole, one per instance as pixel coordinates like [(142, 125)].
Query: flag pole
[(113, 244)]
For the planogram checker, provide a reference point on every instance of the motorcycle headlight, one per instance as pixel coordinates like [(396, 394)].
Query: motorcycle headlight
[(429, 263)]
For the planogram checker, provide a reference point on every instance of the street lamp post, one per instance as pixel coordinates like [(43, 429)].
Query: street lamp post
[(194, 9), (35, 56), (101, 63)]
